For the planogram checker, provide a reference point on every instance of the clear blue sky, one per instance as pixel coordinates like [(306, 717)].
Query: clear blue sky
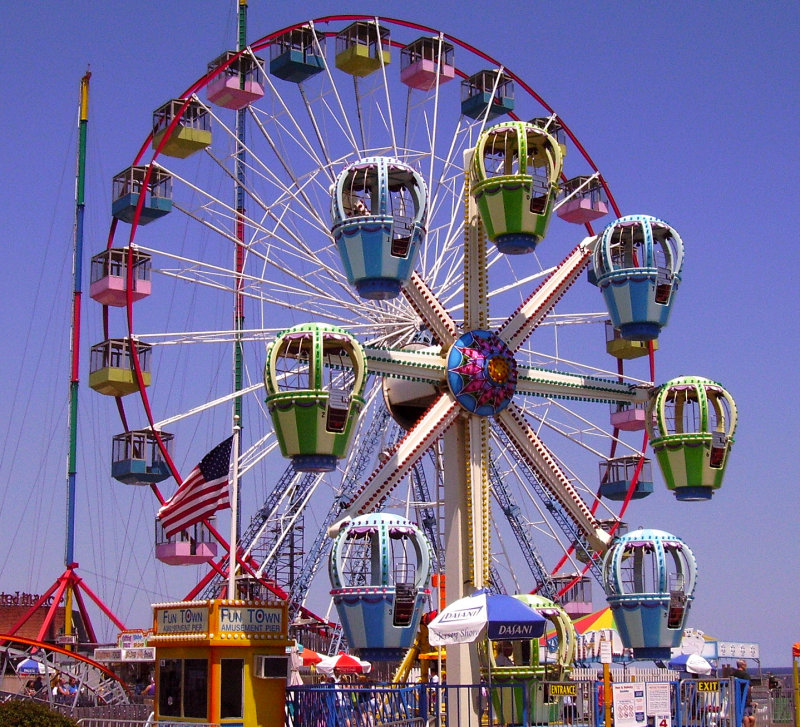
[(690, 111)]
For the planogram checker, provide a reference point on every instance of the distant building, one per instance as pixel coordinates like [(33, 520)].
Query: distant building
[(13, 606)]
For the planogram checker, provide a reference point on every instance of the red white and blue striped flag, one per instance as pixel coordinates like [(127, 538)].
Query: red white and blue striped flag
[(202, 493)]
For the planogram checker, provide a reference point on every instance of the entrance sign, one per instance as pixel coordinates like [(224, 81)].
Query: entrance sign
[(557, 690)]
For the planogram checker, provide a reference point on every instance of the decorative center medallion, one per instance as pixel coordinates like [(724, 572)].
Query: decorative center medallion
[(481, 372)]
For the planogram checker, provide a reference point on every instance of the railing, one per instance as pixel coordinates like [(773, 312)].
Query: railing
[(149, 722), (694, 703), (109, 722), (419, 705)]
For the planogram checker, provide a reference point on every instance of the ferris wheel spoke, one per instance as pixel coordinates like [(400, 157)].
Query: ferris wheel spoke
[(229, 213), (204, 274), (433, 127), (309, 206), (439, 416), (580, 433), (206, 406), (528, 316), (434, 315), (530, 446), (557, 384), (305, 144), (389, 119), (548, 520)]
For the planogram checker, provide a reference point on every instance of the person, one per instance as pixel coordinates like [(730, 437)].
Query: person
[(38, 684), (740, 672), (366, 702), (30, 689), (60, 691), (505, 650), (569, 709)]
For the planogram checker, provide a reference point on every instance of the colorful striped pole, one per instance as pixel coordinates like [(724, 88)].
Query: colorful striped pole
[(77, 272)]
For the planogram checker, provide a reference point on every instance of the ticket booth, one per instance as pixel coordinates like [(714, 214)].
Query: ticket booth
[(221, 662)]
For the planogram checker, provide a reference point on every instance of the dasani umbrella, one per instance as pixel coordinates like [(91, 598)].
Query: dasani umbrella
[(493, 615)]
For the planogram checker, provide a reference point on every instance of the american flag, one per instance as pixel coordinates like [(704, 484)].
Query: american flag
[(202, 493)]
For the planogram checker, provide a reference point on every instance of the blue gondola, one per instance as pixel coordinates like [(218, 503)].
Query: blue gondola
[(487, 93), (129, 184), (380, 568), (297, 55), (378, 210), (616, 478), (136, 458), (649, 578), (638, 262)]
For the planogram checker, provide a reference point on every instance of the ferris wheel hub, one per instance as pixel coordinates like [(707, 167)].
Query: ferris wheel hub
[(481, 372)]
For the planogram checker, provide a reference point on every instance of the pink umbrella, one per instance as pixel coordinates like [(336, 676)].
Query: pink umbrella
[(344, 664)]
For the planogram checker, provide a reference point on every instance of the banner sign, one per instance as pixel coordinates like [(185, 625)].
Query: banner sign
[(187, 620)]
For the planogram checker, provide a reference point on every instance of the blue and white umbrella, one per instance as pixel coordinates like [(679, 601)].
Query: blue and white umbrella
[(30, 666), (692, 663), (495, 616)]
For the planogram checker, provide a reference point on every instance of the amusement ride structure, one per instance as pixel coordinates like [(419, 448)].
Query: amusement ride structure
[(373, 247)]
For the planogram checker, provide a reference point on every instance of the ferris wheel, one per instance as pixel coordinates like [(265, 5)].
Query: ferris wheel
[(244, 179)]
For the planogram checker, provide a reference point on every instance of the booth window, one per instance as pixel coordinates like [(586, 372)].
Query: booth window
[(183, 688), (231, 702)]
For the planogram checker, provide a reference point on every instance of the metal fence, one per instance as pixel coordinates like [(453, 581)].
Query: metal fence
[(436, 705), (693, 703)]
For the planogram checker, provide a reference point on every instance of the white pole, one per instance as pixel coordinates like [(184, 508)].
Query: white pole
[(234, 509)]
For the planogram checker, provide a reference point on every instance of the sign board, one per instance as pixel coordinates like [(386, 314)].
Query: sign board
[(707, 685), (218, 621), (250, 619), (139, 653), (183, 620), (104, 655), (737, 650), (662, 720), (606, 656), (555, 691), (133, 639), (658, 703), (629, 704)]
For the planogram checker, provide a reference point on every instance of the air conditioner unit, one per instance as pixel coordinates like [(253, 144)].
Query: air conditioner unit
[(271, 667)]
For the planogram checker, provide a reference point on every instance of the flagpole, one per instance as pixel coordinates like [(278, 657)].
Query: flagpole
[(234, 509)]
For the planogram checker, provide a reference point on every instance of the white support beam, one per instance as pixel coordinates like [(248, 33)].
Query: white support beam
[(520, 324), (417, 365), (432, 312), (439, 416), (556, 384)]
